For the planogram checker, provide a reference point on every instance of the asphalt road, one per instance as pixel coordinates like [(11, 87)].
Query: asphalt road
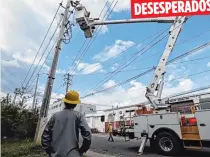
[(120, 148)]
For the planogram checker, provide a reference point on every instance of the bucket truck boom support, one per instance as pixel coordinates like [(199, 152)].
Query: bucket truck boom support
[(158, 79)]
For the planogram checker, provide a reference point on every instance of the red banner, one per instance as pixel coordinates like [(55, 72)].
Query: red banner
[(166, 8)]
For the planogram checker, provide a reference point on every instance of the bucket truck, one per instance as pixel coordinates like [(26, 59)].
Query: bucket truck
[(167, 131)]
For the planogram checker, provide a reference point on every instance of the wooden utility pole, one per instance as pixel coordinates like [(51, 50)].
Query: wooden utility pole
[(48, 89)]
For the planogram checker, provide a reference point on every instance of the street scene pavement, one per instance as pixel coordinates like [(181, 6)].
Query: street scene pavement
[(101, 147)]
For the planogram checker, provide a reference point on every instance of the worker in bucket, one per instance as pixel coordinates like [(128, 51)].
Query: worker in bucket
[(61, 134), (110, 132)]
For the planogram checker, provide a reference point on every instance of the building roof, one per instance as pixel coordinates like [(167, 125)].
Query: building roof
[(94, 115)]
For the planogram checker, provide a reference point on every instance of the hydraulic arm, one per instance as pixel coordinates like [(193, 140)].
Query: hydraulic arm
[(154, 90)]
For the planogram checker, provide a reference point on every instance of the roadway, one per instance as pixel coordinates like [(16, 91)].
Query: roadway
[(120, 148)]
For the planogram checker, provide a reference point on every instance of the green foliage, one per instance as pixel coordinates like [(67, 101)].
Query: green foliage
[(24, 148), (17, 122)]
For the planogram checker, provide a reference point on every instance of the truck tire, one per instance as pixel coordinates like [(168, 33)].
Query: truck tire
[(167, 144)]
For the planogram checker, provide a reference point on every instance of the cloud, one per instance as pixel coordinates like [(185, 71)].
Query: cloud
[(114, 50), (2, 94), (110, 83), (133, 94), (25, 24), (184, 85), (198, 52), (61, 71), (87, 68), (114, 67), (208, 64), (10, 63), (54, 96), (122, 5), (171, 77)]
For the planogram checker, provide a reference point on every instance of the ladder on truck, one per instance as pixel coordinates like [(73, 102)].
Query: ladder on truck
[(190, 132)]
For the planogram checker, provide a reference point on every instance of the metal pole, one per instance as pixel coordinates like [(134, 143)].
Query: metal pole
[(49, 84), (67, 82), (158, 20), (33, 104)]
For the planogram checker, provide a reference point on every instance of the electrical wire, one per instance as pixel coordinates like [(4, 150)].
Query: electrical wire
[(42, 42), (179, 43), (182, 42), (150, 70), (53, 46), (130, 60), (133, 58), (42, 55), (87, 46), (84, 43), (135, 45), (178, 78), (130, 70), (170, 96), (92, 39)]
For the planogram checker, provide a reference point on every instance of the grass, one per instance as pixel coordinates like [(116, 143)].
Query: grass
[(21, 149)]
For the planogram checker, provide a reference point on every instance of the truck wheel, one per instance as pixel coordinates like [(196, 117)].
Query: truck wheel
[(167, 144)]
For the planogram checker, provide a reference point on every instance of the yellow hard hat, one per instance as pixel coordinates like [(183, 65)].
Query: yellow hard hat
[(72, 97)]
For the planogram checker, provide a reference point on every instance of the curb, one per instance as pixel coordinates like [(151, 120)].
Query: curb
[(94, 154)]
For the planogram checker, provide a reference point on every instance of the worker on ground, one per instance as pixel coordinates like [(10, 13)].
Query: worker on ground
[(110, 133), (60, 137)]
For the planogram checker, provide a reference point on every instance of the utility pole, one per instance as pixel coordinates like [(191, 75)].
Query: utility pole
[(68, 79), (48, 89), (34, 99)]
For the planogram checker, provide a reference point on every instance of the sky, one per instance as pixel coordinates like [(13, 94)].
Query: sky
[(24, 24)]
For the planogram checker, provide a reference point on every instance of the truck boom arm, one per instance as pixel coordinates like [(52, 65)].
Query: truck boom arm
[(157, 82), (88, 24)]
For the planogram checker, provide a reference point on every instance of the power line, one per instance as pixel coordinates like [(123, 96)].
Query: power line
[(133, 58), (53, 46), (170, 96), (88, 44), (42, 42), (130, 60), (178, 78), (179, 43), (43, 54), (135, 45), (92, 39), (150, 70), (184, 41), (84, 42), (202, 58)]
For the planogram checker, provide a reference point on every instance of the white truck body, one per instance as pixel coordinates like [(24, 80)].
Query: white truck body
[(203, 119), (149, 123), (152, 122), (169, 131)]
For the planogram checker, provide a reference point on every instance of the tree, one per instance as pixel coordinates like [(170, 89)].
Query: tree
[(17, 121)]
